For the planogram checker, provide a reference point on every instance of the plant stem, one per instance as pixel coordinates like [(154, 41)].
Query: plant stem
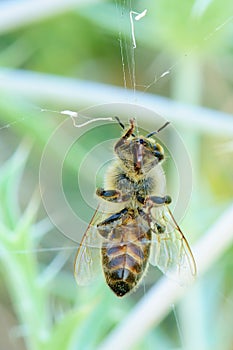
[(29, 297), (71, 92), (16, 14)]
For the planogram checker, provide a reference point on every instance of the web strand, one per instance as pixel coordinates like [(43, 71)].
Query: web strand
[(43, 250)]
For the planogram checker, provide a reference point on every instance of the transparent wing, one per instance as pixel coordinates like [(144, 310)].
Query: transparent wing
[(170, 251), (87, 262)]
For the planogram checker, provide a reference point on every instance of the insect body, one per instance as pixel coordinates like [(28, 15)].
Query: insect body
[(140, 228), (125, 256)]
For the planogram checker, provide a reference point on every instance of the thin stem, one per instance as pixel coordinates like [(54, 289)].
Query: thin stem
[(72, 92), (16, 14)]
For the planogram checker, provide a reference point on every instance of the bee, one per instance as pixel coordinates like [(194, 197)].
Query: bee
[(133, 225)]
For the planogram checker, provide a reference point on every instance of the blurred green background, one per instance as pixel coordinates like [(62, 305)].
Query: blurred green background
[(67, 55)]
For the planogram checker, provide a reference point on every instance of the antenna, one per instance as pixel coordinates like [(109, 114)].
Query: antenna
[(120, 123), (157, 131)]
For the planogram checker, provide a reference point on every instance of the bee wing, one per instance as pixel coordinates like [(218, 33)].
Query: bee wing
[(87, 261), (170, 251)]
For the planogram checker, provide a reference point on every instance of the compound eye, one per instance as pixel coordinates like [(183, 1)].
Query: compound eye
[(157, 147), (158, 152)]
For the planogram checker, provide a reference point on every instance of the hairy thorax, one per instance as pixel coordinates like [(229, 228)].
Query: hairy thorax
[(126, 181)]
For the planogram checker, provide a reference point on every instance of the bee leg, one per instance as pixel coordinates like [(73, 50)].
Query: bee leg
[(114, 217), (158, 200), (113, 195), (156, 226), (160, 228), (141, 199), (105, 227), (126, 135)]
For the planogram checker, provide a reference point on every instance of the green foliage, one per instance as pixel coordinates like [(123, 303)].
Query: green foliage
[(51, 312), (30, 289)]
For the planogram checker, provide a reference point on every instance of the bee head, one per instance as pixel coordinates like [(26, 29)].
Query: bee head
[(140, 154)]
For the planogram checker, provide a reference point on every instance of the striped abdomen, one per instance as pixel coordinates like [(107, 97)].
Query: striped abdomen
[(125, 256)]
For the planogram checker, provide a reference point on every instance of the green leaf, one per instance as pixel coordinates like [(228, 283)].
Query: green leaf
[(65, 333)]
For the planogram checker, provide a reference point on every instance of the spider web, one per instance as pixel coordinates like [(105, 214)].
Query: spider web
[(127, 16)]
